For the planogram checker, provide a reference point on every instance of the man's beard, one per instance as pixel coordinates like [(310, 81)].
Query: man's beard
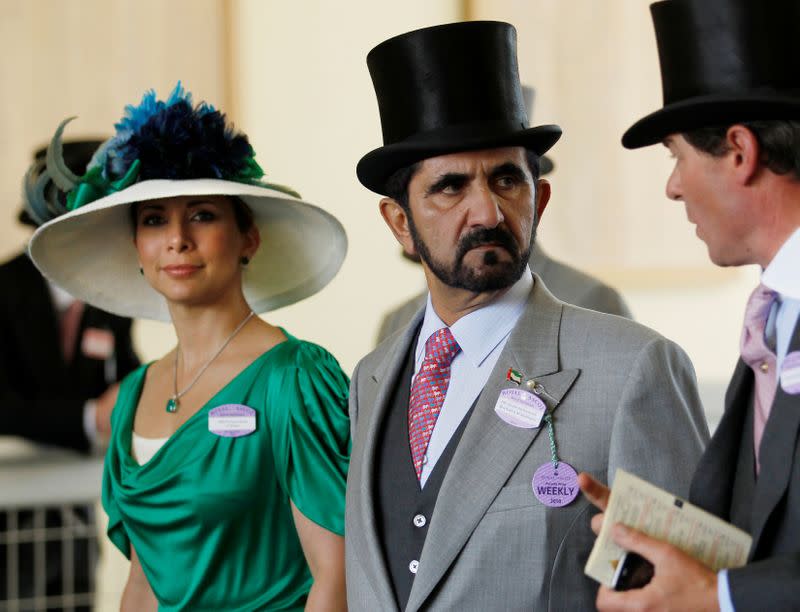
[(495, 274)]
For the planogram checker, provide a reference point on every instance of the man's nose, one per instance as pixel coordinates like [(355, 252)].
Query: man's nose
[(484, 208), (673, 190)]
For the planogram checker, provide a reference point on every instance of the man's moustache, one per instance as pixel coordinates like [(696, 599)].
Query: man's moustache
[(483, 237)]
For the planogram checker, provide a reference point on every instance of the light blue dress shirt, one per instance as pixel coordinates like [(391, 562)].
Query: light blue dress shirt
[(482, 335), (783, 276)]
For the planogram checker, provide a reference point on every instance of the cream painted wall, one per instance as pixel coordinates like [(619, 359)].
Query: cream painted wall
[(89, 58)]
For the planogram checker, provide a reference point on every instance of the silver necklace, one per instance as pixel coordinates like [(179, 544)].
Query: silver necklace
[(174, 401)]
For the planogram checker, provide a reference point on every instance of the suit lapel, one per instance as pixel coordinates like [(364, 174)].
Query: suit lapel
[(490, 449), (366, 540), (712, 484), (777, 444)]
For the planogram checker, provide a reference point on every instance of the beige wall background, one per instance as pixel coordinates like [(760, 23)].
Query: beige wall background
[(293, 76)]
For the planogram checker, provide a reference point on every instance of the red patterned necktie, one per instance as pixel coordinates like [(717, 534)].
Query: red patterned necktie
[(760, 358), (428, 391)]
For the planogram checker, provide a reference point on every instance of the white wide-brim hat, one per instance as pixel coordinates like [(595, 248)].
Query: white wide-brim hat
[(89, 251)]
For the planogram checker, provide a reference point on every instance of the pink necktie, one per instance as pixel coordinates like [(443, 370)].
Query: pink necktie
[(428, 391), (70, 324), (760, 358)]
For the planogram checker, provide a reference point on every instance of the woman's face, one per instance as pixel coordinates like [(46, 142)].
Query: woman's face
[(190, 247)]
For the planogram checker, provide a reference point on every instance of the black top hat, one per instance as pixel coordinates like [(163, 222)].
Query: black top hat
[(546, 164), (722, 62), (445, 89), (77, 155)]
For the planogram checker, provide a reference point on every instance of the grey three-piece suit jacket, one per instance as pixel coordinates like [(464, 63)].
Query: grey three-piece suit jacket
[(623, 396)]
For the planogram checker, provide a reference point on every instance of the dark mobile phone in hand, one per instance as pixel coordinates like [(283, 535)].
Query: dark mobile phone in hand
[(633, 572)]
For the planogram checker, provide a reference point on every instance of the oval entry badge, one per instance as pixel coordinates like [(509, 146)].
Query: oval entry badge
[(232, 420), (520, 408)]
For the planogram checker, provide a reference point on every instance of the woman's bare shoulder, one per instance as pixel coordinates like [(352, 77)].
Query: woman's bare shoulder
[(260, 337)]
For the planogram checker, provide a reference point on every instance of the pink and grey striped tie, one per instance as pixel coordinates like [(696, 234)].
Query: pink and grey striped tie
[(428, 392), (760, 358)]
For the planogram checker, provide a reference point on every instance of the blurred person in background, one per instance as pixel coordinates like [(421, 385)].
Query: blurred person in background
[(568, 284), (225, 476), (60, 361), (731, 121)]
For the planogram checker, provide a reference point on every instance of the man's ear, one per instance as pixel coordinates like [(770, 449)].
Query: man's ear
[(744, 152), (542, 197), (396, 218)]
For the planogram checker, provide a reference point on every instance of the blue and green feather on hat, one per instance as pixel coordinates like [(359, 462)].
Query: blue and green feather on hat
[(158, 139)]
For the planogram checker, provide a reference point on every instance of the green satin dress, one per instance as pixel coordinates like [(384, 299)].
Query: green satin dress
[(209, 516)]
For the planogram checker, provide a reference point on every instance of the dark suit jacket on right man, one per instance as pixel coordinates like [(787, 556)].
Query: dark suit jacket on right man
[(767, 507)]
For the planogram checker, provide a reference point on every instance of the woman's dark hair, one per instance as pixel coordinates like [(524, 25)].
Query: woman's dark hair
[(779, 142), (241, 213), (397, 183)]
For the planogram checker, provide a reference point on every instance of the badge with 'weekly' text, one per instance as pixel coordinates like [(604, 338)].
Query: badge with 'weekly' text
[(232, 420), (555, 485), (520, 408)]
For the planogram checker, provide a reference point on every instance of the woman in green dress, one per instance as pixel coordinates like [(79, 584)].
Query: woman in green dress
[(225, 475)]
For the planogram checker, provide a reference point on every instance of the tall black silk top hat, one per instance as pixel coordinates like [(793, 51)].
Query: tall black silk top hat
[(445, 89), (722, 62)]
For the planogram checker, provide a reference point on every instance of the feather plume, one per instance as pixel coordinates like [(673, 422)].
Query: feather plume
[(169, 139), (34, 185), (185, 143), (136, 116), (62, 176)]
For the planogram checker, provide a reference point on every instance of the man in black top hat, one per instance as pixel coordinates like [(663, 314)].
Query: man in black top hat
[(731, 118), (469, 424), (60, 361)]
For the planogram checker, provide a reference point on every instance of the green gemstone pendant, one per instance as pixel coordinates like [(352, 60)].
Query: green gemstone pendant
[(172, 405)]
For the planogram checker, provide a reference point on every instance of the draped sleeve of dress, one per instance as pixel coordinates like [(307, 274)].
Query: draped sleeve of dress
[(209, 515)]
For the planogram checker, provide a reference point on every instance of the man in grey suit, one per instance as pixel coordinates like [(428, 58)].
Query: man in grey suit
[(468, 426), (731, 119), (568, 284)]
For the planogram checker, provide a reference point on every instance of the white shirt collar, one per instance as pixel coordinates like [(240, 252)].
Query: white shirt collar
[(479, 332), (782, 273)]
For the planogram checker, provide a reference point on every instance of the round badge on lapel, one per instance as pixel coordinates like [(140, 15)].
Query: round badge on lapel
[(555, 484)]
